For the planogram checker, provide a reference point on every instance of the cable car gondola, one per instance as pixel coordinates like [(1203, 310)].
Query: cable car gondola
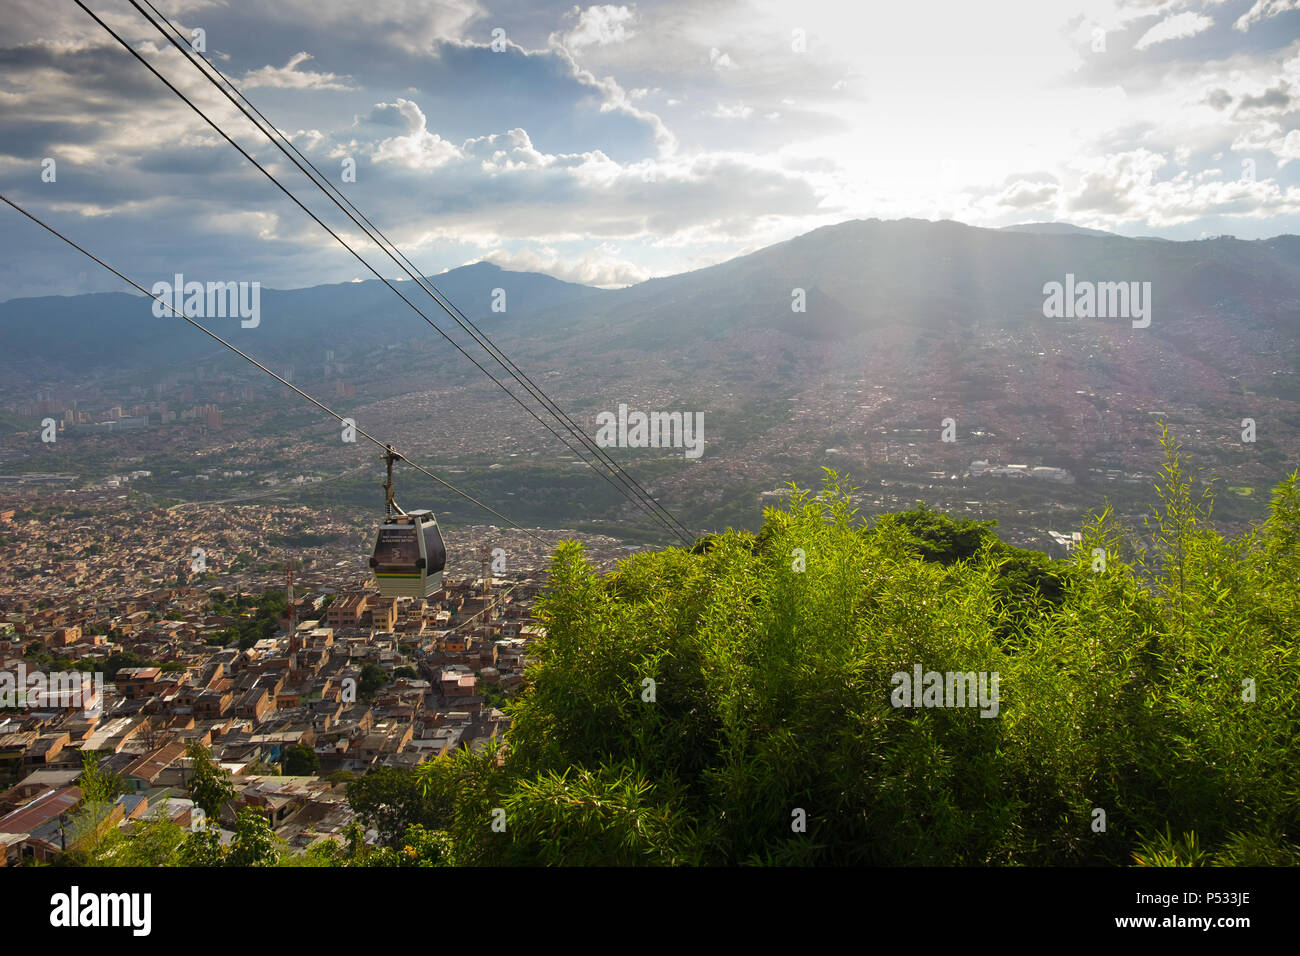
[(409, 555)]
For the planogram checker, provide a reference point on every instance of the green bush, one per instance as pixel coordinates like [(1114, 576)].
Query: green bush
[(1126, 690)]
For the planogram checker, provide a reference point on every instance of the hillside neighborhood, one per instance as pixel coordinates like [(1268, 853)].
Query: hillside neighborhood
[(291, 701)]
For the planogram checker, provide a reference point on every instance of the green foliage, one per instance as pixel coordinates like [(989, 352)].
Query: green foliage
[(202, 848), (1164, 850), (299, 760), (940, 537), (373, 679), (693, 704), (254, 844), (153, 842), (108, 666), (609, 816), (493, 695), (418, 847), (89, 832), (157, 841), (98, 784), (391, 801), (1025, 578), (1120, 689), (209, 786), (265, 612)]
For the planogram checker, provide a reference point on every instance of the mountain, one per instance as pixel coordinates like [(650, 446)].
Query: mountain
[(1055, 229), (910, 323), (845, 347), (118, 330), (856, 278)]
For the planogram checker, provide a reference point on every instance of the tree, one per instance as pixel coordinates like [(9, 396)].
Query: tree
[(209, 786), (87, 832), (940, 537), (254, 843), (152, 842), (1178, 520), (299, 760), (390, 800), (373, 679), (202, 847), (99, 784)]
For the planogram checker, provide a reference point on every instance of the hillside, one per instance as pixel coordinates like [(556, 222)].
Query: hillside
[(119, 330), (905, 324), (751, 701)]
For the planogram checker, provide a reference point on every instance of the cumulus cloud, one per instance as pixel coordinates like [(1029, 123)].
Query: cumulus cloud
[(556, 144), (503, 187), (1260, 137), (289, 77), (1112, 184), (1126, 187), (719, 60), (1264, 10), (409, 25), (600, 26), (415, 147), (615, 99), (1026, 195), (1177, 27), (1276, 99), (602, 266), (1289, 149)]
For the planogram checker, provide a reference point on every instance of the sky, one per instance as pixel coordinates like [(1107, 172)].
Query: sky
[(610, 143)]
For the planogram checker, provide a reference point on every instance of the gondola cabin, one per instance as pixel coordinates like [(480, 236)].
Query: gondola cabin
[(409, 555)]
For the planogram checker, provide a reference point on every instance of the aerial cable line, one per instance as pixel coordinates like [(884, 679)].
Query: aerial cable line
[(206, 68), (206, 331), (271, 131), (360, 259), (649, 507)]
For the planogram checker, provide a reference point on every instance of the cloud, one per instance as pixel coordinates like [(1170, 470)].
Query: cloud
[(503, 187), (1289, 150), (288, 77), (1111, 184), (1125, 188), (601, 267), (1177, 27), (1219, 99), (556, 144), (1263, 10), (734, 111), (1277, 99), (417, 148), (600, 26), (615, 99), (1025, 195), (409, 25)]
